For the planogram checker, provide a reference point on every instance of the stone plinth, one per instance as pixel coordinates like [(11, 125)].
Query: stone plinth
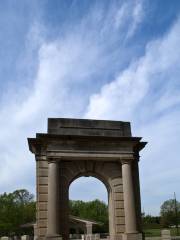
[(25, 237), (165, 234), (132, 236), (53, 237)]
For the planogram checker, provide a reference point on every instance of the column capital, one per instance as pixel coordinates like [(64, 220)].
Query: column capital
[(53, 160), (40, 157), (127, 161)]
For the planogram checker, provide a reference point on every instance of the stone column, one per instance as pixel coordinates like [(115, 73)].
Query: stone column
[(53, 199), (89, 228), (136, 183), (129, 199), (64, 205)]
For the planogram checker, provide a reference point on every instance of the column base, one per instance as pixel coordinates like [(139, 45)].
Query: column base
[(53, 237), (115, 237), (132, 236)]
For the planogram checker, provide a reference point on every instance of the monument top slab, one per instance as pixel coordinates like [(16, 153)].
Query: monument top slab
[(86, 127)]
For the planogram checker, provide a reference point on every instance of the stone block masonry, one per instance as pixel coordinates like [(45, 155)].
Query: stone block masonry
[(79, 147)]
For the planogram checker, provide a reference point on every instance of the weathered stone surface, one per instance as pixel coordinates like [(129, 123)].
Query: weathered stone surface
[(78, 147), (118, 189), (116, 182), (25, 237), (42, 206), (42, 223), (42, 215), (120, 220), (42, 231), (53, 237), (43, 188), (132, 236), (119, 204), (120, 228), (43, 180), (165, 234), (65, 126), (42, 172), (118, 196), (43, 197), (42, 164), (119, 213)]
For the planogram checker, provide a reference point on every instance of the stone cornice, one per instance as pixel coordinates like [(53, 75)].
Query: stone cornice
[(90, 156)]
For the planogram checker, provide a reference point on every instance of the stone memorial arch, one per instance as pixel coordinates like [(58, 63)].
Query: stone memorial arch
[(77, 147)]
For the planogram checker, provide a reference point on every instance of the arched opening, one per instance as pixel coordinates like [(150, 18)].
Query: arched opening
[(82, 147), (88, 207)]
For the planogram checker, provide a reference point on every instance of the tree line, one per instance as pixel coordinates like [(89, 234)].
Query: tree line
[(16, 208), (169, 216), (19, 207), (94, 210)]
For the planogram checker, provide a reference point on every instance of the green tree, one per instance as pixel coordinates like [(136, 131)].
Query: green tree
[(15, 209), (94, 210), (150, 222), (22, 196), (168, 216)]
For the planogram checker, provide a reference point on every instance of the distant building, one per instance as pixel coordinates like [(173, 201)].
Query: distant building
[(77, 225)]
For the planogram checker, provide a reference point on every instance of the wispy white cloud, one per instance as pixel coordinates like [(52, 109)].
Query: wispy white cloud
[(135, 82), (68, 78), (60, 76), (137, 17), (147, 93), (121, 15), (51, 94), (129, 15)]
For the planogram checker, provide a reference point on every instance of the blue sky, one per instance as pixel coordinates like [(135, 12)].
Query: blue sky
[(100, 59)]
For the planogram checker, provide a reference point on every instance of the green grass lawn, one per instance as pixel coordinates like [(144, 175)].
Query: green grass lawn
[(174, 232), (157, 232), (152, 232)]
